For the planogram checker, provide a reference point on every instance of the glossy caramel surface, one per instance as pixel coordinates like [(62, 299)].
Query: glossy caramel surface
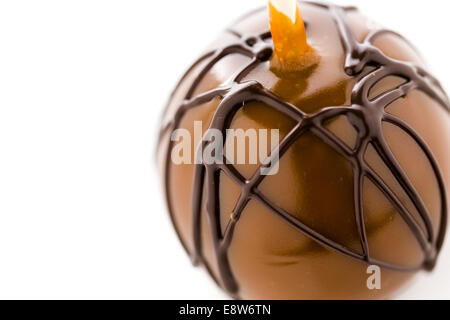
[(269, 258)]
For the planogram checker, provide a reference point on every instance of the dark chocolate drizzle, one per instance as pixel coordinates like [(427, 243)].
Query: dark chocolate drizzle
[(365, 115)]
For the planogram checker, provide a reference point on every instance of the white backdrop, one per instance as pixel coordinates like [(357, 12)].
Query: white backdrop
[(82, 85)]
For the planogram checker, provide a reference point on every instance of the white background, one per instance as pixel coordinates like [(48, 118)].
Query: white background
[(82, 86)]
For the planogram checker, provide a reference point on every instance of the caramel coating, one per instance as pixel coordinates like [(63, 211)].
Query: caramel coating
[(269, 258)]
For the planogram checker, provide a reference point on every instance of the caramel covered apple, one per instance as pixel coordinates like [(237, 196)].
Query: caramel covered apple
[(357, 181)]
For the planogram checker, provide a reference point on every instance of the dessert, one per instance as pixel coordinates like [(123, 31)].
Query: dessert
[(363, 164)]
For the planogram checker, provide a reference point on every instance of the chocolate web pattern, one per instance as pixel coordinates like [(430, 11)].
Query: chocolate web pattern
[(365, 115)]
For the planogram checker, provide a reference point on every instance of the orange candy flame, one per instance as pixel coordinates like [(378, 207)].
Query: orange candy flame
[(292, 51)]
